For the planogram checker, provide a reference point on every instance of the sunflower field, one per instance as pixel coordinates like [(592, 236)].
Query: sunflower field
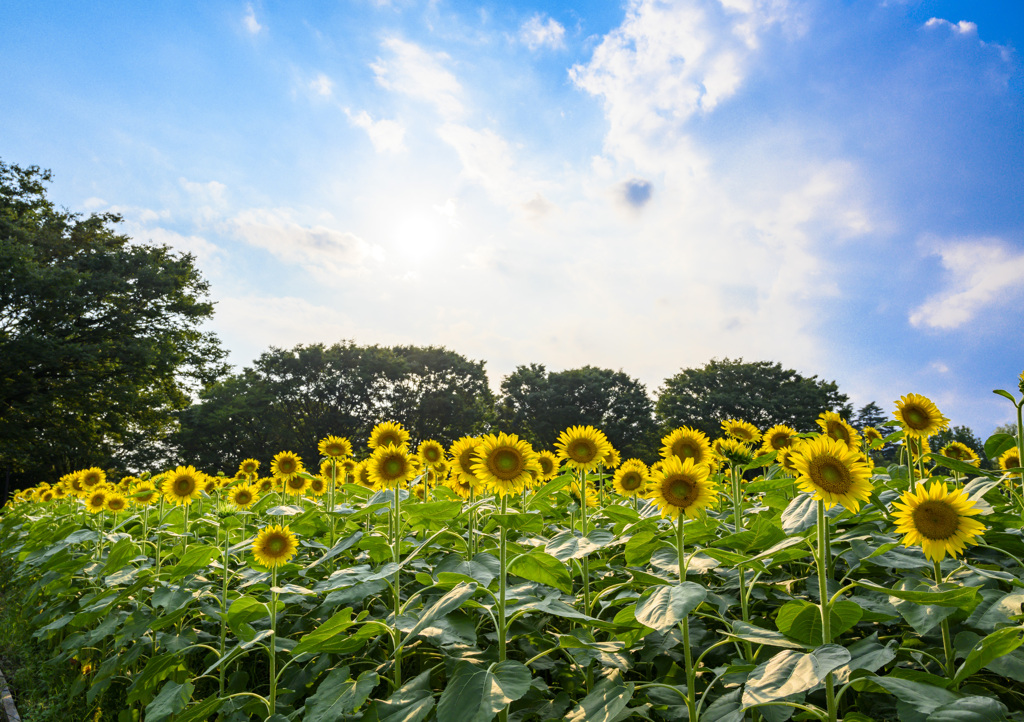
[(764, 575)]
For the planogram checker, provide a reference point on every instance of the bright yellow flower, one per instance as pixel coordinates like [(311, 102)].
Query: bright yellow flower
[(582, 447), (873, 437), (833, 472), (937, 519), (248, 468), (742, 430), (335, 447), (548, 465), (778, 437), (503, 463), (182, 485), (96, 500), (631, 478), (961, 452), (687, 443), (1009, 459), (919, 416), (116, 503), (736, 452), (93, 476), (682, 487), (286, 465), (243, 496), (612, 459), (431, 452), (390, 466), (834, 426), (295, 485), (275, 545), (388, 433)]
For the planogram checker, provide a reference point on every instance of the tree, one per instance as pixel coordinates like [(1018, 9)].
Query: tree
[(760, 392), (100, 338), (290, 399), (538, 406), (870, 414), (965, 436)]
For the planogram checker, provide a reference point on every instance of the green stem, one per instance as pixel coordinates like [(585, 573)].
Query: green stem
[(737, 506), (684, 625), (947, 642), (396, 554), (224, 607), (826, 606), (184, 539), (1020, 443), (330, 499), (585, 566), (159, 533), (273, 640), (502, 565)]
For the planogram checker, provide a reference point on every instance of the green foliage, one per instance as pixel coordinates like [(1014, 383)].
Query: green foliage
[(538, 405), (760, 392), (100, 338)]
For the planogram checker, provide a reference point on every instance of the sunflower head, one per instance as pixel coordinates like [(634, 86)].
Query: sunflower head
[(286, 465), (687, 443), (265, 485), (46, 495), (388, 433), (181, 486), (295, 485), (463, 454), (583, 447), (430, 452), (1009, 459), (116, 502), (318, 485), (243, 496), (362, 475), (919, 416), (548, 465), (145, 493), (60, 491), (464, 486), (210, 484), (833, 472), (335, 447), (834, 426), (681, 487), (612, 459), (961, 452), (734, 451), (248, 468), (742, 430), (937, 519), (873, 437), (631, 478), (96, 500), (503, 463), (93, 476), (347, 466), (390, 466), (275, 545), (778, 437)]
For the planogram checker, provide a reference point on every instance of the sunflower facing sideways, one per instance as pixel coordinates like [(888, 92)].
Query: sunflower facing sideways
[(919, 416), (548, 465), (937, 519), (687, 443), (961, 452), (584, 448), (836, 427), (832, 471), (631, 478), (388, 433), (742, 430), (275, 545), (181, 486), (682, 487), (503, 463), (778, 437), (1009, 459), (873, 437), (335, 447)]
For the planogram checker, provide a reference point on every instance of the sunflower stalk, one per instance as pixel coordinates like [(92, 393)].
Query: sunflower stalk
[(503, 564), (737, 505), (396, 529), (224, 603), (947, 643), (684, 627), (822, 559), (273, 640)]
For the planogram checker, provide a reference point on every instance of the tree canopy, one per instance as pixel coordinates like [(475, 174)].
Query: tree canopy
[(538, 405), (100, 336), (761, 392), (290, 399)]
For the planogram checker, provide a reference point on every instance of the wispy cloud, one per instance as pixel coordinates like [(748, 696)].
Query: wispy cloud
[(387, 136), (410, 70), (322, 85), (542, 32), (250, 22), (964, 27)]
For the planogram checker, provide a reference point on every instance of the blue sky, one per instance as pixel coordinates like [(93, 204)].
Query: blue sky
[(643, 186)]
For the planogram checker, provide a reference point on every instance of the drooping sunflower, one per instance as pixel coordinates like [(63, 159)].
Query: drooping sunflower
[(1009, 459), (275, 545), (937, 519), (46, 495), (210, 484), (503, 462), (836, 427), (126, 482), (430, 452), (919, 416), (631, 478), (681, 486), (873, 437), (285, 465), (248, 468), (181, 486), (335, 447), (464, 485), (687, 443), (961, 452), (778, 437), (390, 466), (582, 447), (116, 502), (60, 492), (548, 465), (742, 430), (734, 451), (96, 500), (832, 471), (243, 496), (388, 433), (93, 476), (331, 470)]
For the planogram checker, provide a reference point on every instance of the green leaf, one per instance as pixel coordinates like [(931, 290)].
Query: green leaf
[(483, 567), (790, 672), (476, 694), (961, 597), (327, 636), (640, 547), (567, 545), (431, 511), (157, 669), (801, 514), (548, 489), (172, 699), (120, 554), (802, 620), (411, 703), (337, 549), (757, 635), (544, 568), (663, 607), (553, 605), (1000, 642), (531, 522), (197, 557), (868, 654), (998, 444), (962, 466), (242, 612), (200, 712), (337, 696), (1005, 395), (923, 697), (608, 698), (448, 603), (970, 709)]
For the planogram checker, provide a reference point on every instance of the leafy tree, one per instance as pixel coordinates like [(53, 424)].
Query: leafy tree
[(870, 414), (962, 434), (100, 338), (539, 405), (290, 399), (760, 392)]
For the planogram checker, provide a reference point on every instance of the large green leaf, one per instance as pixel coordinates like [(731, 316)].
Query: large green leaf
[(328, 636), (431, 511), (567, 545), (340, 546), (242, 612), (198, 556), (962, 466), (172, 699), (337, 695), (924, 698), (790, 672), (120, 554), (663, 607), (483, 567), (476, 694), (802, 620), (961, 597), (448, 603), (970, 709), (800, 515), (538, 566), (868, 654), (157, 669), (411, 703), (604, 704), (1000, 642), (758, 635), (640, 547), (200, 712), (548, 489), (998, 444)]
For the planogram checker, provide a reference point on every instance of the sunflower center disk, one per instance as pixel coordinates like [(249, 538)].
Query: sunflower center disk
[(507, 464), (680, 492), (936, 520), (831, 476), (183, 487), (583, 452), (631, 481), (685, 451), (393, 468), (915, 417), (275, 545)]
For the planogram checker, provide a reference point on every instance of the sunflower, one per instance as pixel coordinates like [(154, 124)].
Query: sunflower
[(93, 476), (430, 452), (503, 463), (248, 468), (295, 485), (209, 484), (592, 497), (182, 485), (582, 447), (265, 485), (687, 443), (785, 461), (388, 433), (833, 472), (1009, 459), (778, 437), (348, 466), (335, 447), (734, 451), (548, 465), (390, 466), (834, 426), (873, 437), (285, 465), (145, 493), (275, 545), (96, 501), (46, 495), (919, 416), (918, 446), (612, 459), (937, 519), (464, 485), (116, 502), (126, 482), (961, 452), (361, 475), (742, 430), (681, 486), (631, 477), (463, 453), (243, 496), (60, 492)]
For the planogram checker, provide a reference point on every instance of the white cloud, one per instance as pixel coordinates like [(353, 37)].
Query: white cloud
[(387, 136), (211, 192), (322, 85), (412, 71), (250, 21), (983, 272), (317, 248), (964, 27), (539, 33)]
